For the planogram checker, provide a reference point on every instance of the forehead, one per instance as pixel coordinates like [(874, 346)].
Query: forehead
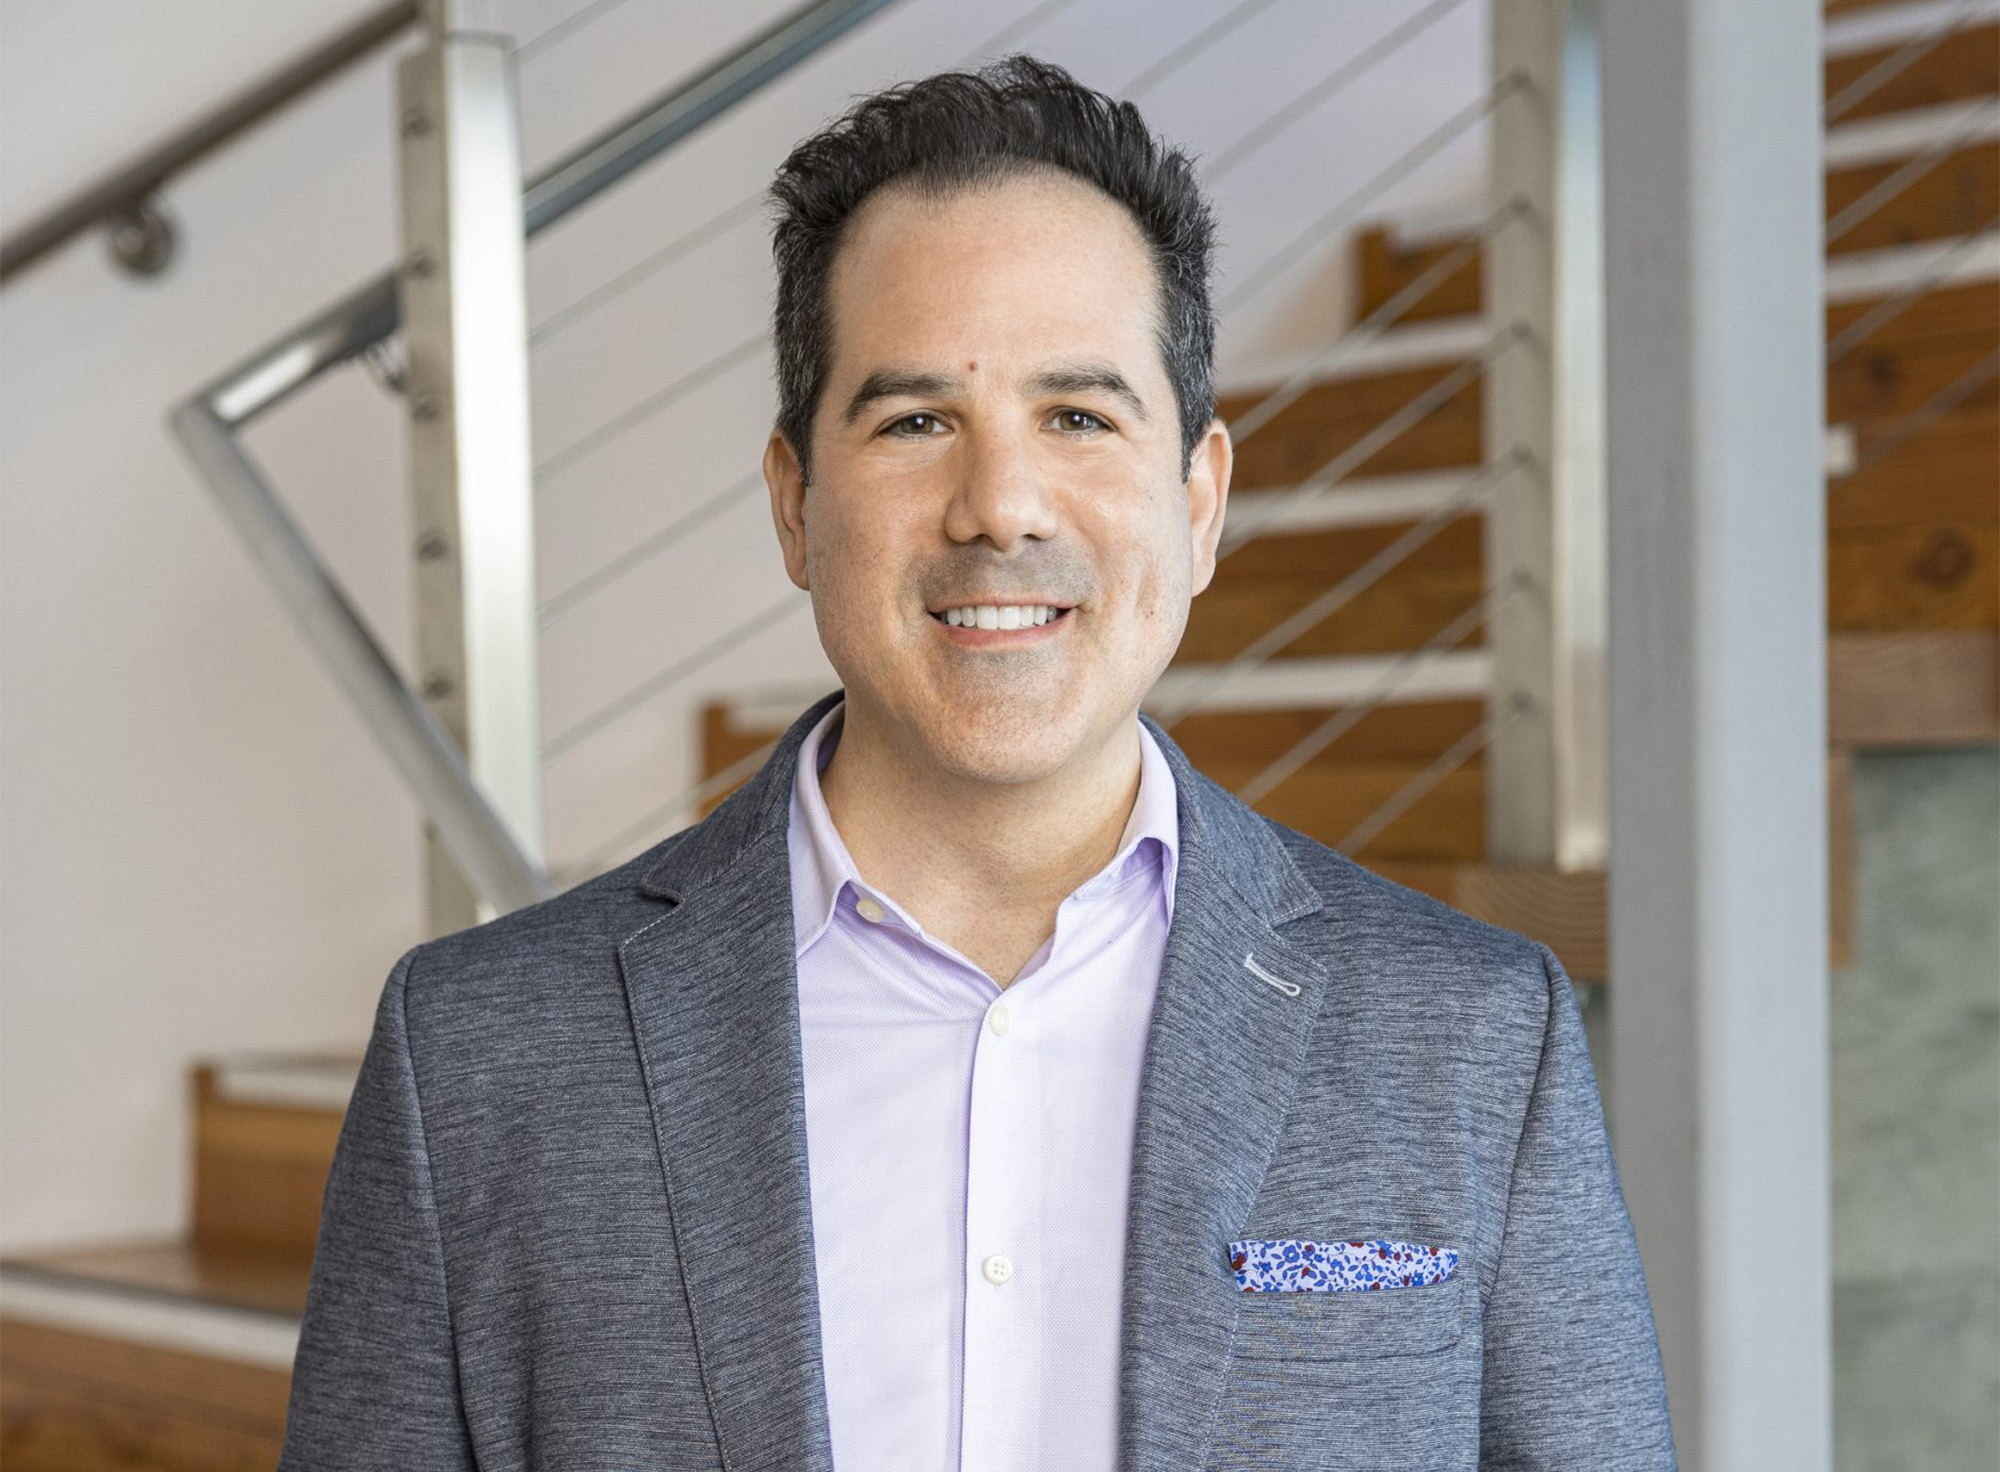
[(1027, 265)]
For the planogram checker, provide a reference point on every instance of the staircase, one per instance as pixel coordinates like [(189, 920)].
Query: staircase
[(1913, 613), (176, 1355)]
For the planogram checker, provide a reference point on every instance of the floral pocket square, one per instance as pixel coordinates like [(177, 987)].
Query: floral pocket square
[(1291, 1265)]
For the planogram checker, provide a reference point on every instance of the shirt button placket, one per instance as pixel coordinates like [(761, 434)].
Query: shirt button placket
[(1001, 1182)]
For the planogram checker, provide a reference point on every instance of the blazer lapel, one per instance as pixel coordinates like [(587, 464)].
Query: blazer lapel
[(1223, 1055), (712, 985)]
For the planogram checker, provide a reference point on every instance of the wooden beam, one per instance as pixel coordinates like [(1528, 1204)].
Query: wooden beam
[(1930, 688)]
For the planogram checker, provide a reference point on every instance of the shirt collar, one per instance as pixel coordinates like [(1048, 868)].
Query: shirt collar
[(822, 867)]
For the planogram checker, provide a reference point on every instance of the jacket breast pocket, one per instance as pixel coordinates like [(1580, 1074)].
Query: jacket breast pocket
[(1361, 1325)]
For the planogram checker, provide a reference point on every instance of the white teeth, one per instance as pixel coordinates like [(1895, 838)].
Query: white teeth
[(1000, 616)]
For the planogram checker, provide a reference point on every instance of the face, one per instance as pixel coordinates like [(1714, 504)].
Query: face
[(998, 431)]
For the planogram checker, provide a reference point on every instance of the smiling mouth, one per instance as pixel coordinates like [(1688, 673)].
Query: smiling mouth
[(1001, 615)]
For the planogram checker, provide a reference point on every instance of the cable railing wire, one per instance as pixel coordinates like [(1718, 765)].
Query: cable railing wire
[(1279, 636), (1351, 205), (1912, 169), (1329, 86), (1901, 60), (1373, 442), (645, 550), (1928, 413), (1447, 761), (1386, 684), (646, 824), (1259, 416), (729, 640), (1242, 428), (1193, 47), (1371, 327), (563, 29), (744, 209), (1887, 310), (657, 402)]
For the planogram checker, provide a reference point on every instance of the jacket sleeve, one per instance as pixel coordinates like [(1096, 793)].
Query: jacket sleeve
[(375, 1382), (1572, 1369)]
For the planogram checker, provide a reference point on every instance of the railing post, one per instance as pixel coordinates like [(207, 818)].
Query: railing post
[(1545, 774), (463, 294)]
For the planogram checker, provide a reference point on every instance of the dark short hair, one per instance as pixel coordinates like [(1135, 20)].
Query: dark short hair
[(957, 129)]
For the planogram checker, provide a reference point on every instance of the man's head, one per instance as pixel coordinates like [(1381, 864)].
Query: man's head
[(994, 349)]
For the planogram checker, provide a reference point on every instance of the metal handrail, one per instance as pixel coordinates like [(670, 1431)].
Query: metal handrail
[(131, 186), (476, 838), (745, 209), (370, 313)]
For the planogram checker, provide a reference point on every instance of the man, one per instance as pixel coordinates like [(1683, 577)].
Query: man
[(980, 1086)]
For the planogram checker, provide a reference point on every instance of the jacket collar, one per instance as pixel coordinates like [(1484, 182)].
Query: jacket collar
[(1250, 858), (712, 986)]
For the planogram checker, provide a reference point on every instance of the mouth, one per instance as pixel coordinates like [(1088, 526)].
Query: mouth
[(999, 615), (979, 625)]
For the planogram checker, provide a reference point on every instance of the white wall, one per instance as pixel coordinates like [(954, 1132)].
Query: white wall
[(200, 850)]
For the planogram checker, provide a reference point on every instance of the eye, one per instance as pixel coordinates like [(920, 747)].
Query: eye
[(915, 426), (1077, 421)]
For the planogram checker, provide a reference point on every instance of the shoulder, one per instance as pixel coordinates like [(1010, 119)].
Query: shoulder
[(550, 946)]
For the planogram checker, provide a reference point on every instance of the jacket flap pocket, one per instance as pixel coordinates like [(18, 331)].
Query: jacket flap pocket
[(1350, 1326)]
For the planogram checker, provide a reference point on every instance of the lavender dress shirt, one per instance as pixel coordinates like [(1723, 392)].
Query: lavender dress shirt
[(969, 1151)]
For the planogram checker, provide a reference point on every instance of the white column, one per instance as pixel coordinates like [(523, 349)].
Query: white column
[(465, 321), (1717, 638)]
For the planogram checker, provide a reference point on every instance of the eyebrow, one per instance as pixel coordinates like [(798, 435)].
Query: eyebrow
[(1088, 378), (899, 383), (1062, 378)]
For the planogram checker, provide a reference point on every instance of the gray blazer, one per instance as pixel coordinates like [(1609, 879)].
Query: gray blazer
[(568, 1224)]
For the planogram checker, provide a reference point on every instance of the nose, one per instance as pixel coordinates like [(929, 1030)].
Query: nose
[(1001, 495)]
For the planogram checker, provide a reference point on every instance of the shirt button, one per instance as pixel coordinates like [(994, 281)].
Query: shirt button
[(998, 1268), (868, 910), (997, 1020)]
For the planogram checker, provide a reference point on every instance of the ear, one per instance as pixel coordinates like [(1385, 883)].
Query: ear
[(785, 477), (1208, 494)]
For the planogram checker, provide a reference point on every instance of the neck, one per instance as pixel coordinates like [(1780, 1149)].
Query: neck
[(982, 865)]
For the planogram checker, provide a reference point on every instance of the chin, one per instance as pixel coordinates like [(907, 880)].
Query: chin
[(1004, 746)]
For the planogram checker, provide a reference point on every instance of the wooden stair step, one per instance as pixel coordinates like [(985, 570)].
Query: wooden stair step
[(1965, 65), (1385, 264), (1331, 417), (132, 1358), (1269, 579), (265, 1130), (1944, 474), (1942, 575), (1958, 195)]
